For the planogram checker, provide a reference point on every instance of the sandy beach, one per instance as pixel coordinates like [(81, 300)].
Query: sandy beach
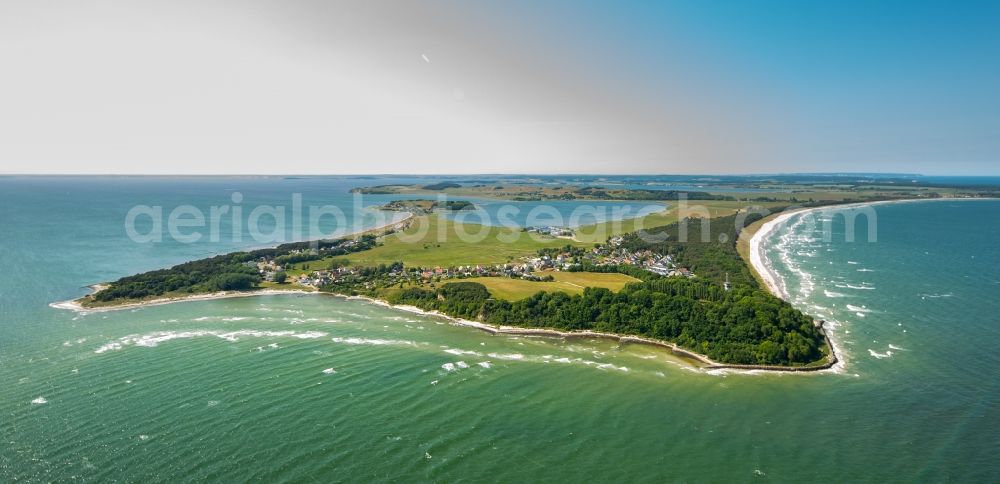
[(74, 305), (761, 264), (774, 283), (759, 261)]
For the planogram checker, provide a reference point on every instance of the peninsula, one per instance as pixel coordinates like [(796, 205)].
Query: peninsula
[(679, 283)]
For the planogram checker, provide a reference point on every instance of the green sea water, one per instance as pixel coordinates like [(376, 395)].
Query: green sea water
[(320, 388)]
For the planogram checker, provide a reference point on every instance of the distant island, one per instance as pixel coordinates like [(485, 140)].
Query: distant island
[(427, 206), (699, 298), (527, 193)]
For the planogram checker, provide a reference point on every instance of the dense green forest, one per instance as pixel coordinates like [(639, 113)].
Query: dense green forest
[(236, 271), (706, 246), (741, 326), (441, 186), (459, 205), (220, 273), (746, 325)]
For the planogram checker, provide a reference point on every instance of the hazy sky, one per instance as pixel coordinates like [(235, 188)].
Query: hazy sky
[(325, 87)]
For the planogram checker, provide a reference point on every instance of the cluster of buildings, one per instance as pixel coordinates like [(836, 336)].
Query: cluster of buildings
[(651, 261), (266, 267), (497, 270), (613, 253), (561, 261), (551, 231), (317, 278)]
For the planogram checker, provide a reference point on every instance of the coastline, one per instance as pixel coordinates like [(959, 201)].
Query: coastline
[(75, 305), (695, 360), (758, 261), (707, 364), (761, 265), (758, 264)]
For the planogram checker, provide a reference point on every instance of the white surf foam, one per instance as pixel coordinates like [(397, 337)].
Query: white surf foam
[(151, 340), (372, 341), (878, 355), (507, 356), (458, 352), (863, 286)]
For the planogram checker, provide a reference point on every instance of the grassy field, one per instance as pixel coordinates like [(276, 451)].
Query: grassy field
[(567, 282), (709, 208), (434, 241)]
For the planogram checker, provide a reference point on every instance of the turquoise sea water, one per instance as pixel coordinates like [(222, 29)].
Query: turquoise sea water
[(321, 388), (559, 213)]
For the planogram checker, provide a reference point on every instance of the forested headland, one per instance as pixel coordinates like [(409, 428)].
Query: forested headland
[(236, 271), (739, 323)]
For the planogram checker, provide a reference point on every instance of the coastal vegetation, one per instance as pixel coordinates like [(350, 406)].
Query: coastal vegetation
[(738, 324), (785, 189), (441, 186), (437, 241), (237, 271), (669, 275), (707, 249), (422, 206), (742, 326), (538, 193)]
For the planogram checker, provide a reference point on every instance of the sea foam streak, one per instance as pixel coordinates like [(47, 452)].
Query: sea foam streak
[(150, 340), (507, 356), (878, 355), (372, 341), (458, 352)]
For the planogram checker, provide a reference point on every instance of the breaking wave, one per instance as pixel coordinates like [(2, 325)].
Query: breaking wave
[(150, 340)]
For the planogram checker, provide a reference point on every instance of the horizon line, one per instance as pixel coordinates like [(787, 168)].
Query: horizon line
[(522, 174)]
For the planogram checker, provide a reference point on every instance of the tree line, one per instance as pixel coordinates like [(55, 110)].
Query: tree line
[(236, 271), (742, 326)]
